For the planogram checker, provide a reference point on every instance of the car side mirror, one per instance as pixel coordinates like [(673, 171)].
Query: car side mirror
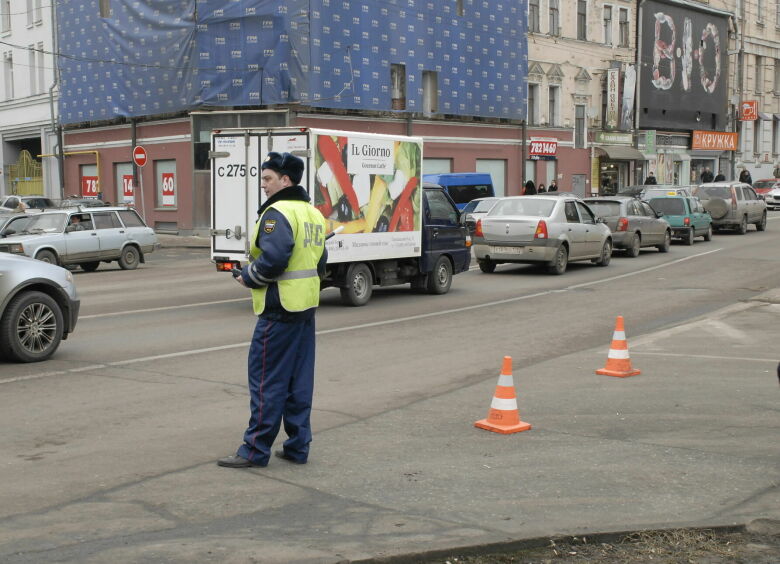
[(659, 214)]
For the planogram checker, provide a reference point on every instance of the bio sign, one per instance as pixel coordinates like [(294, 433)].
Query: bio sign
[(542, 149), (684, 67)]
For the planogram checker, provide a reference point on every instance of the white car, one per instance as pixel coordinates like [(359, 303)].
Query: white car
[(552, 230), (772, 198), (85, 237)]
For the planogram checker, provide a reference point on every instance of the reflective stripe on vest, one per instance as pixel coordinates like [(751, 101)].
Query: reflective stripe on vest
[(299, 284)]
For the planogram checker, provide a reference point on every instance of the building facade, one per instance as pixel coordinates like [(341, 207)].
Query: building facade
[(28, 99)]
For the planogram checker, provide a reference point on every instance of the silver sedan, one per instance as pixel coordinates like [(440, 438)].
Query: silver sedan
[(551, 230)]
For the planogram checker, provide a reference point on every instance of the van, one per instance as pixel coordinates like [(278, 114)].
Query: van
[(463, 187)]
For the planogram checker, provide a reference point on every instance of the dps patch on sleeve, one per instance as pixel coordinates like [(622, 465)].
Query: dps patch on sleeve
[(269, 225)]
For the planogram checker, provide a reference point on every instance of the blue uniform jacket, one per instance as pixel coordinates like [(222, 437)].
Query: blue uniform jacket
[(277, 248)]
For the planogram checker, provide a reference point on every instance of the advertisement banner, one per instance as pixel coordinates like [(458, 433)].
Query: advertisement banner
[(542, 148), (683, 83), (748, 110), (168, 189), (627, 102), (714, 141), (89, 186), (613, 77), (372, 187), (128, 196)]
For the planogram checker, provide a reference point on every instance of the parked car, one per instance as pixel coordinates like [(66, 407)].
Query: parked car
[(13, 223), (551, 230), (31, 202), (39, 308), (83, 202), (85, 237), (772, 198), (686, 215), (634, 224), (765, 185), (733, 205), (474, 210)]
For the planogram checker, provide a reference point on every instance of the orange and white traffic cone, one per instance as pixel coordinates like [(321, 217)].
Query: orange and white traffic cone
[(618, 361), (503, 416)]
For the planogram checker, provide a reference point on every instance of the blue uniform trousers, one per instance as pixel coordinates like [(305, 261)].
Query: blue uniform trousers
[(281, 386)]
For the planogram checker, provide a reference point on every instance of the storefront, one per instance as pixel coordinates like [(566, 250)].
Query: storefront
[(614, 162)]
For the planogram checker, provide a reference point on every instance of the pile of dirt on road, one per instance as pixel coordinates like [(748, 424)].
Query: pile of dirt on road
[(756, 545)]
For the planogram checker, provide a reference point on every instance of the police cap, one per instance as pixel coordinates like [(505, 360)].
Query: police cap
[(285, 164)]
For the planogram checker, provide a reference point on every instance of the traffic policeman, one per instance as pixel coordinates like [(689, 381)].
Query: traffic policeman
[(288, 257)]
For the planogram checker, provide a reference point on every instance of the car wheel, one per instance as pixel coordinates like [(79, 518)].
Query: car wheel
[(558, 264), (31, 328), (129, 258), (761, 225), (90, 266), (633, 248), (689, 237), (667, 244), (708, 234), (742, 229), (440, 278), (486, 265), (606, 254), (360, 285), (46, 256)]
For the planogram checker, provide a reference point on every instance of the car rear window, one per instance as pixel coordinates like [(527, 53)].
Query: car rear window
[(668, 206), (464, 194), (604, 209), (131, 219), (523, 206), (484, 205), (715, 191)]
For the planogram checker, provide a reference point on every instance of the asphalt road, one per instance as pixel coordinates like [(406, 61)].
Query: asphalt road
[(151, 389)]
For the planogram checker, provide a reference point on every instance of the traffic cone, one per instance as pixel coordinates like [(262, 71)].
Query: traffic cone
[(618, 362), (503, 416)]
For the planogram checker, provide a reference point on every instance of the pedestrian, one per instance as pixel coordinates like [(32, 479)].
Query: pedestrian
[(706, 175), (541, 189), (530, 188), (287, 247), (719, 177), (745, 177), (553, 187), (776, 172), (650, 178)]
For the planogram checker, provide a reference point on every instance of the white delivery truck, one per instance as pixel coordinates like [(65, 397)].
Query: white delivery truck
[(394, 229)]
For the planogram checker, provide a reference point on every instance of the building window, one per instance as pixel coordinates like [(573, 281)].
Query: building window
[(623, 28), (759, 74), (777, 72), (38, 13), (41, 69), (582, 20), (777, 15), (553, 113), (760, 11), (775, 132), (398, 86), (533, 15), (757, 137), (430, 80), (533, 101), (555, 18), (165, 180), (29, 13), (579, 127), (105, 8), (8, 75), (5, 6), (608, 25), (31, 68)]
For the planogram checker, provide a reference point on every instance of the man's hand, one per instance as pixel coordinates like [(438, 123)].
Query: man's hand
[(240, 280)]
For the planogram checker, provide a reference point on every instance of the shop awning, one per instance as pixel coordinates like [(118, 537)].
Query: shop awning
[(619, 152), (765, 117)]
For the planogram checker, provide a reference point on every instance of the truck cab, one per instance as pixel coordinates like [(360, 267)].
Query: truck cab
[(463, 187)]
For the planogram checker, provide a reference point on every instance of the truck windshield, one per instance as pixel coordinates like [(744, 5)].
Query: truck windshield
[(464, 194)]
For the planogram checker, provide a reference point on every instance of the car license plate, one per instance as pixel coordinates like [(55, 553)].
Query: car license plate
[(507, 250)]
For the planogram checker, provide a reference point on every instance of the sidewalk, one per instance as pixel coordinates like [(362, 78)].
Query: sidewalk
[(179, 241)]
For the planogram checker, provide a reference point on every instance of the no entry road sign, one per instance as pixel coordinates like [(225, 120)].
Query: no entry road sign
[(139, 155)]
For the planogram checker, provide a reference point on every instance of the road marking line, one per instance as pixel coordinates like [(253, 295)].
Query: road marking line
[(354, 327), (163, 308), (773, 361)]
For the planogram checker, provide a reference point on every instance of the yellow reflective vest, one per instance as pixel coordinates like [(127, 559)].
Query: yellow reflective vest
[(299, 284)]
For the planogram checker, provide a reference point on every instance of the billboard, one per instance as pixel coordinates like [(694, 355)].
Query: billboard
[(683, 73)]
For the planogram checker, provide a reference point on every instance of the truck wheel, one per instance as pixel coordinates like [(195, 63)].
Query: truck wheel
[(440, 278), (31, 328), (360, 285), (487, 266)]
